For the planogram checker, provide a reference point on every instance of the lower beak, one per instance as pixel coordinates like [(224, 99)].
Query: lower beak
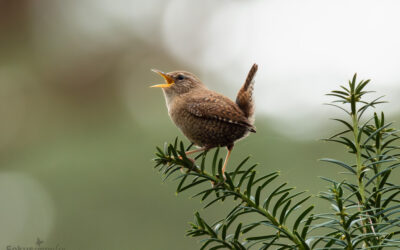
[(168, 80)]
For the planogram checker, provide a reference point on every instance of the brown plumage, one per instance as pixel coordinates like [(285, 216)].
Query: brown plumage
[(244, 97), (206, 118)]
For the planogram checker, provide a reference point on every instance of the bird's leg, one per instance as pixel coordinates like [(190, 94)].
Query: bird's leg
[(230, 148), (195, 150)]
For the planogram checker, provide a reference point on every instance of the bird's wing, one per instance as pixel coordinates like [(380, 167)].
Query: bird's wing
[(218, 107), (244, 97)]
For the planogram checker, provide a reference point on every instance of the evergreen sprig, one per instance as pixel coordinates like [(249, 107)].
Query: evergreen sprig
[(365, 208), (252, 194)]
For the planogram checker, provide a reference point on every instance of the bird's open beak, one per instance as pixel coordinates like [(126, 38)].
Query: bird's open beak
[(168, 80)]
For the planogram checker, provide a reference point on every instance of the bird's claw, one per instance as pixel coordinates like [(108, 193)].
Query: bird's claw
[(188, 169), (216, 184)]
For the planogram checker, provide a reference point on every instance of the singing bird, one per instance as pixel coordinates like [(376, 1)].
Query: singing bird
[(208, 119)]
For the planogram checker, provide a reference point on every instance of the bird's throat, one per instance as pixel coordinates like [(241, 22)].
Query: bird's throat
[(169, 96)]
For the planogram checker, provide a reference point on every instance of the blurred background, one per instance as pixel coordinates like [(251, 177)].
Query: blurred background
[(79, 123)]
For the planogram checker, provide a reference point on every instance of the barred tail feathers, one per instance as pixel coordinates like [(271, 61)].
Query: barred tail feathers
[(244, 97)]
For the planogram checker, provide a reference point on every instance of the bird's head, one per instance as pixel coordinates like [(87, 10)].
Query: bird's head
[(178, 82)]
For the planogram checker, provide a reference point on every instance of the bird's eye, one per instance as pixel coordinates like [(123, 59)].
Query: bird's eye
[(180, 77)]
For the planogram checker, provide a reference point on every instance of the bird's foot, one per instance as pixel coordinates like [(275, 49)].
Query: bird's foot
[(188, 169), (218, 183), (192, 160)]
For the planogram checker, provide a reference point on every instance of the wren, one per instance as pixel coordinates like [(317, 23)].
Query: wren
[(208, 119)]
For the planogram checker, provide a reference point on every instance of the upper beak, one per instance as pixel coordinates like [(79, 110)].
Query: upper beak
[(168, 80)]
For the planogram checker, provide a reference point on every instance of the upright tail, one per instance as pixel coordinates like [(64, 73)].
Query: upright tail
[(244, 98)]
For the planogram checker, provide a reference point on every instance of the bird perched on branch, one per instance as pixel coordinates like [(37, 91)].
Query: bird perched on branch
[(206, 118)]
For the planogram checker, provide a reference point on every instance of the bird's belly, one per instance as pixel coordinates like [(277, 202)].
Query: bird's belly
[(208, 132)]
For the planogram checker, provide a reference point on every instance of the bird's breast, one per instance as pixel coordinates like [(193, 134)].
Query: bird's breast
[(204, 131)]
